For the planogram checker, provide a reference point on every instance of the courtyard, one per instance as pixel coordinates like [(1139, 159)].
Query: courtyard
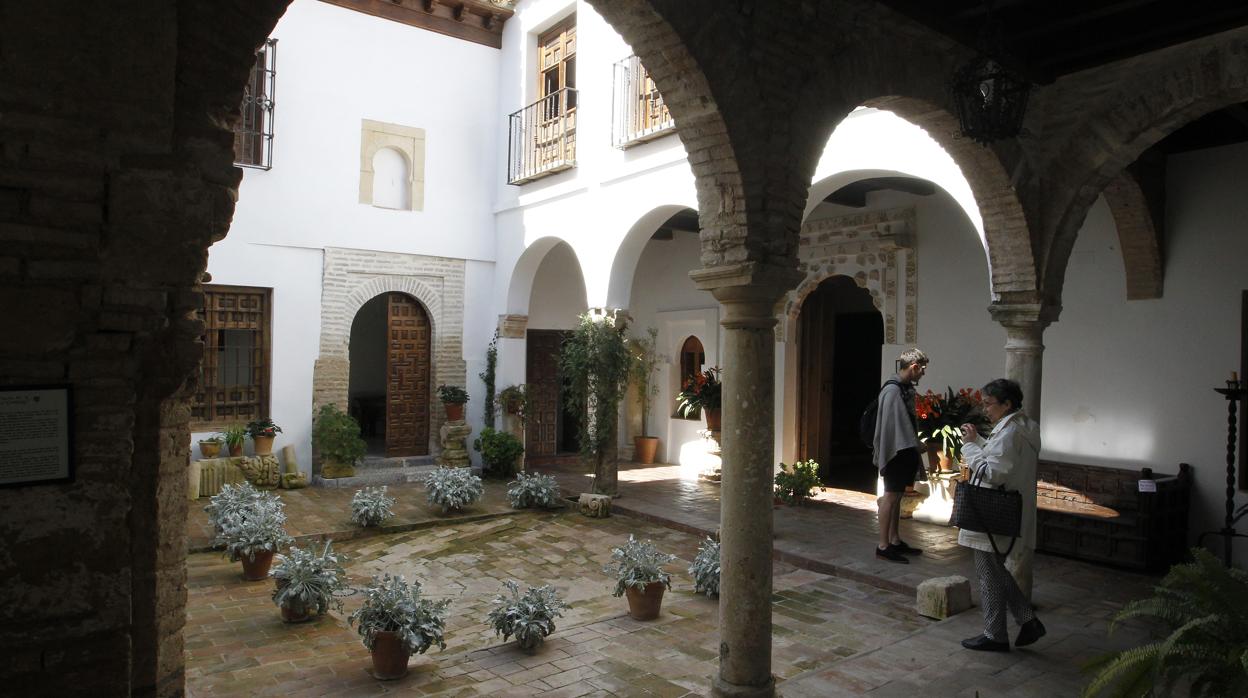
[(844, 624)]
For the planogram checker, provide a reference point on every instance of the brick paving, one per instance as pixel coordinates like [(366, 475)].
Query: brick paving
[(843, 633)]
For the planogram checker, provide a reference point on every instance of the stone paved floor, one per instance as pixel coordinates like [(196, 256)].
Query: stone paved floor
[(834, 635)]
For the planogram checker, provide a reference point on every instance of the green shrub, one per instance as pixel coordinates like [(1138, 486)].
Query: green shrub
[(452, 394), (336, 435), (499, 450), (798, 481)]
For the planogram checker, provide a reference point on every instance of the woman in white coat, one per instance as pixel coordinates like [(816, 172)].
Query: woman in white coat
[(1008, 457)]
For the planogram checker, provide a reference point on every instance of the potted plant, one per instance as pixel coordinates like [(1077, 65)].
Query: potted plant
[(499, 450), (638, 570), (336, 436), (371, 507), (234, 436), (594, 363), (210, 446), (701, 393), (228, 502), (253, 532), (939, 422), (262, 433), (305, 583), (533, 491), (796, 483), (452, 488), (529, 616), (705, 568), (453, 398), (645, 363), (513, 400), (395, 621)]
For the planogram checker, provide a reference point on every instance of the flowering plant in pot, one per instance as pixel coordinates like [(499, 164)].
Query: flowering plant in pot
[(645, 363), (701, 392), (262, 433), (453, 398), (305, 583), (638, 570), (252, 532), (396, 621), (529, 616), (940, 418)]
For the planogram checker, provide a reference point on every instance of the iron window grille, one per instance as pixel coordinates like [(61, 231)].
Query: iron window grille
[(253, 136), (639, 113)]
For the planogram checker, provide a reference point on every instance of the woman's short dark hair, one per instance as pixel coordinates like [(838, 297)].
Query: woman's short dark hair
[(1004, 390)]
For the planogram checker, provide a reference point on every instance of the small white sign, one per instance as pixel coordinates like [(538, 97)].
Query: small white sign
[(34, 435), (1148, 485)]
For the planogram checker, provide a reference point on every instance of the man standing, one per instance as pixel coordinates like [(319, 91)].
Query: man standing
[(896, 452)]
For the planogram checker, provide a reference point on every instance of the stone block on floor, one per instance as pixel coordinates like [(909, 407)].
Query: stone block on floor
[(597, 506), (942, 597)]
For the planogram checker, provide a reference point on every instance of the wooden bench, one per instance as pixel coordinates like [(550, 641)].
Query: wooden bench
[(1099, 514)]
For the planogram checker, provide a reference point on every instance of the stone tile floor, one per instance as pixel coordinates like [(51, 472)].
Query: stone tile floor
[(833, 635)]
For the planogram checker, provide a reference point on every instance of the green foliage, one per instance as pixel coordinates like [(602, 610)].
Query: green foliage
[(499, 450), (250, 523), (594, 364), (262, 427), (1204, 608), (529, 616), (336, 435), (370, 506), (212, 439), (487, 376), (390, 604), (452, 488), (533, 491), (452, 394), (798, 481), (702, 391), (234, 435), (636, 564), (645, 363), (306, 582), (515, 400), (705, 568)]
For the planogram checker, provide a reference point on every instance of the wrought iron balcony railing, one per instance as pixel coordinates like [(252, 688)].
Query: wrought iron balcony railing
[(542, 137), (640, 113)]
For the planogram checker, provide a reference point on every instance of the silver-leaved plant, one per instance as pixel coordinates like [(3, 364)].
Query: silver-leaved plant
[(705, 568), (391, 604), (636, 564), (530, 616), (533, 491), (452, 488), (371, 507), (306, 582)]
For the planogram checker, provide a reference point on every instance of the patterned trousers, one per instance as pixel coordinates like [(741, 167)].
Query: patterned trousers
[(997, 591)]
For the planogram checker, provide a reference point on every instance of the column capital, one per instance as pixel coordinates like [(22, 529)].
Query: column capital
[(748, 291), (1030, 316), (618, 317), (512, 326)]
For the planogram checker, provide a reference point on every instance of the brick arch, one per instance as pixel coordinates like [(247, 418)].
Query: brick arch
[(1139, 236), (336, 338), (1155, 97)]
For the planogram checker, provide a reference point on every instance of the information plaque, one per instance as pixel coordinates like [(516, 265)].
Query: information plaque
[(35, 435)]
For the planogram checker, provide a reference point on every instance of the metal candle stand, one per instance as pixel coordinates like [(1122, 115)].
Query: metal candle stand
[(1233, 393)]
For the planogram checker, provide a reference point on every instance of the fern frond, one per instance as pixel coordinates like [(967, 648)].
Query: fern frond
[(1123, 671)]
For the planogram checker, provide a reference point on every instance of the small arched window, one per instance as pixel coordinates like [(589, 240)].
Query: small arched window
[(692, 359), (391, 182)]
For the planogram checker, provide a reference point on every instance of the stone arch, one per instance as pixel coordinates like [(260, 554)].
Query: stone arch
[(1139, 236), (1155, 97), (628, 253), (524, 273), (335, 340)]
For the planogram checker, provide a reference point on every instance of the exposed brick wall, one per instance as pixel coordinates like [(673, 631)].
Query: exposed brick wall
[(1139, 236)]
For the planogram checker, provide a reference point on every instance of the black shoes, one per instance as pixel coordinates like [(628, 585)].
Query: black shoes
[(1031, 631), (983, 644), (905, 548), (891, 554)]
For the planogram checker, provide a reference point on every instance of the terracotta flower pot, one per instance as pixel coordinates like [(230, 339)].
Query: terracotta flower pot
[(644, 449), (389, 656), (210, 449), (938, 460), (644, 604), (236, 450), (263, 445), (712, 418), (454, 411), (257, 568)]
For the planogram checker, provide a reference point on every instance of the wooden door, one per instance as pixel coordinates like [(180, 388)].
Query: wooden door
[(542, 379), (408, 339)]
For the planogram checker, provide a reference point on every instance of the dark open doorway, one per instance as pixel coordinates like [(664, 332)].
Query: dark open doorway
[(388, 393), (840, 338)]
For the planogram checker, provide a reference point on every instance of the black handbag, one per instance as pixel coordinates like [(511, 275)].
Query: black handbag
[(993, 510)]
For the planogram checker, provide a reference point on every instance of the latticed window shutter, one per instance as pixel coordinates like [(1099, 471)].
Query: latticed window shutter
[(234, 379)]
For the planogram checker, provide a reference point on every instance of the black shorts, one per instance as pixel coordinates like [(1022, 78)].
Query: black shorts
[(901, 471)]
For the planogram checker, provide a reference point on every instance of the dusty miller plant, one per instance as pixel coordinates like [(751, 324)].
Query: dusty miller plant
[(306, 582), (636, 564), (258, 524), (529, 616), (392, 605), (533, 491), (452, 488), (229, 501), (594, 363), (705, 568), (370, 506)]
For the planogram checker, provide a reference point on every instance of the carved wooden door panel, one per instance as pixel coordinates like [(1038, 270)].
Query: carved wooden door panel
[(408, 339), (542, 378)]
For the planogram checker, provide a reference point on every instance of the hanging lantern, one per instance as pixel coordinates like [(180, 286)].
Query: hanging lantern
[(991, 100)]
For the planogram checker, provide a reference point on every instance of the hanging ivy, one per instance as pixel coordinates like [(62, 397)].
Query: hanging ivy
[(487, 377)]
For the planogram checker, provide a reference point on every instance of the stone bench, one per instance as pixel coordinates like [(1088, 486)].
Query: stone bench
[(1099, 514)]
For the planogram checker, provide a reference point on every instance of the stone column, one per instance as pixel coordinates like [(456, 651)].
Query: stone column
[(1024, 362), (748, 293)]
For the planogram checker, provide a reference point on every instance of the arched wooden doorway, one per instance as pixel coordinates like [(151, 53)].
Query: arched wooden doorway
[(840, 338), (391, 341)]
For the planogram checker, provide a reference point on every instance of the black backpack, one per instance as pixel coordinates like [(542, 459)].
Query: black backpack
[(866, 423)]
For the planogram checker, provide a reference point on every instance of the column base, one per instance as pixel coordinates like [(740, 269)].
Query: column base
[(723, 689)]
